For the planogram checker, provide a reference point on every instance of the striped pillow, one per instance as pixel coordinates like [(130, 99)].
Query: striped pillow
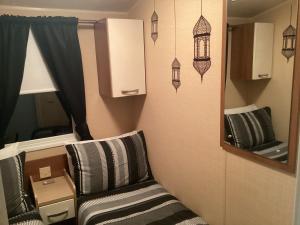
[(249, 129), (109, 164), (12, 171)]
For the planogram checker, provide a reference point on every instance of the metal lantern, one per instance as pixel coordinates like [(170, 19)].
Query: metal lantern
[(154, 26), (176, 74), (289, 42), (202, 33), (175, 64), (289, 38)]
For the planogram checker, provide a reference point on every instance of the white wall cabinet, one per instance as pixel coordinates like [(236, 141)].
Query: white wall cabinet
[(252, 51), (120, 57), (263, 50)]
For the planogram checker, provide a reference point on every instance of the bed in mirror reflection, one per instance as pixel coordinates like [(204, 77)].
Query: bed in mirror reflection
[(259, 78)]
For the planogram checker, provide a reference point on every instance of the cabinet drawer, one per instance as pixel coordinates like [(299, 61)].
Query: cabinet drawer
[(57, 212)]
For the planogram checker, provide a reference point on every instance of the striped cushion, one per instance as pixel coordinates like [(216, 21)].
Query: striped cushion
[(109, 164), (29, 218), (145, 203), (274, 150), (12, 171), (249, 129)]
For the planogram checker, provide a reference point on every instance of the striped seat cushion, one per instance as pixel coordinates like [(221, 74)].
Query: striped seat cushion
[(16, 199), (146, 203), (277, 150), (28, 218), (249, 129), (109, 164)]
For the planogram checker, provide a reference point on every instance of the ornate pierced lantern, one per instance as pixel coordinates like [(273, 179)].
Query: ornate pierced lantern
[(202, 32), (176, 74), (176, 64), (289, 38), (154, 26), (289, 42)]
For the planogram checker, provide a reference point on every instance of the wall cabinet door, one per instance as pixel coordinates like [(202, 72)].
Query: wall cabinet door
[(263, 51), (120, 57), (252, 51)]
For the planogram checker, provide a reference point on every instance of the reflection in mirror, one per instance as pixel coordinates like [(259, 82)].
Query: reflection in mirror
[(259, 77)]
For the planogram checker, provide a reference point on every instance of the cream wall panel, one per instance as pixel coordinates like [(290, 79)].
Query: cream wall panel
[(182, 129), (256, 195)]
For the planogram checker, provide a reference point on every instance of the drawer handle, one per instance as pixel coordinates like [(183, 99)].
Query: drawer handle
[(65, 212), (130, 92), (263, 75)]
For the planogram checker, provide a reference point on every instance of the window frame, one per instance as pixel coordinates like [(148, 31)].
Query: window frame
[(48, 142)]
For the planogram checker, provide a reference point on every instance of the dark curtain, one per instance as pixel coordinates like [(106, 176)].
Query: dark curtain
[(58, 41), (13, 44)]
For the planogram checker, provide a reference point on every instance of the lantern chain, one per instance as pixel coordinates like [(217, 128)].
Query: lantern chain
[(291, 12), (201, 6), (175, 28)]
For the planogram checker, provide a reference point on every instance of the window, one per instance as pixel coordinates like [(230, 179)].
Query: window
[(39, 120), (38, 116), (36, 70)]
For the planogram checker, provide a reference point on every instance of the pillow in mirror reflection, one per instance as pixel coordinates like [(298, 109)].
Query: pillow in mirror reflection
[(243, 109)]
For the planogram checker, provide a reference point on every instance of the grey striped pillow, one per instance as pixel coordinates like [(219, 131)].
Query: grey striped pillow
[(106, 165), (246, 130), (12, 171)]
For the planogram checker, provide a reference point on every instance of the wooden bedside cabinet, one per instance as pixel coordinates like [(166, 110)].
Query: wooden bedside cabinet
[(55, 198)]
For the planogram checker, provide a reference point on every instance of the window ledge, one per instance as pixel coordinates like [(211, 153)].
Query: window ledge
[(44, 143)]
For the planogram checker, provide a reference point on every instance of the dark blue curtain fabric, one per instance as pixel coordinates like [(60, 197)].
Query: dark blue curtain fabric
[(13, 45), (57, 39)]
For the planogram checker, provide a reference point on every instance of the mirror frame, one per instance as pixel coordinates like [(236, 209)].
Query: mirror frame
[(290, 166)]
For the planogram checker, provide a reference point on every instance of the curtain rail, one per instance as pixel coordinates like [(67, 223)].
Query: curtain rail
[(87, 22)]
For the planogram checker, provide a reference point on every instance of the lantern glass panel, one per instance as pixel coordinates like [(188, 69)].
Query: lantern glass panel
[(176, 74), (202, 59), (154, 26)]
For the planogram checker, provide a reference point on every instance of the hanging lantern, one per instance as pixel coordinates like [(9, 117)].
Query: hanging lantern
[(176, 64), (176, 74), (202, 32), (154, 26), (289, 38), (289, 42)]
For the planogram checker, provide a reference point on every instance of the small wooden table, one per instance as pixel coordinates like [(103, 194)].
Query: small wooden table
[(55, 198)]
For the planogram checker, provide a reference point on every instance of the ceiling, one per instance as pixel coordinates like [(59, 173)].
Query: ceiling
[(250, 8), (102, 5)]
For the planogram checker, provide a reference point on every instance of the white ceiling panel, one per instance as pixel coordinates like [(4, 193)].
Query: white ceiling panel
[(250, 8), (103, 5)]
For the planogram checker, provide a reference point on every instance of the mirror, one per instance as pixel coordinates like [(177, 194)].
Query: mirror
[(260, 98)]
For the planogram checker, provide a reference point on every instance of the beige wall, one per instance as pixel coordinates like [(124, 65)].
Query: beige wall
[(183, 137), (182, 129), (106, 117)]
